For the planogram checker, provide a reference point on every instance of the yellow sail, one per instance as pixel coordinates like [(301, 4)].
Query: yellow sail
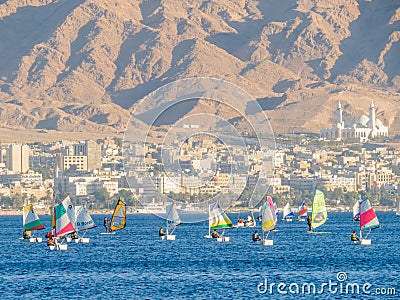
[(319, 213), (118, 219)]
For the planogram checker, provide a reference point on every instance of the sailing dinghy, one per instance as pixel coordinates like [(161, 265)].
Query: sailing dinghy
[(173, 221), (368, 221), (64, 216), (30, 222), (319, 214), (287, 213), (118, 219), (249, 222), (268, 222), (217, 219), (83, 222), (302, 213)]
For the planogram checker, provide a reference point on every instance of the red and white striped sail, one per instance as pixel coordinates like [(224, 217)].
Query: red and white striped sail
[(64, 217), (368, 218)]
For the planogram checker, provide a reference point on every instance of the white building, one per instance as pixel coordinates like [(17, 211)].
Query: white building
[(359, 130)]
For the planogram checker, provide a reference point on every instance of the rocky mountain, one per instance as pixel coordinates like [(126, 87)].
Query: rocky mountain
[(81, 65)]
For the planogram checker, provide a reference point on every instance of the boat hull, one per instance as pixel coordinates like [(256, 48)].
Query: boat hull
[(223, 239), (365, 242), (35, 240), (59, 247), (267, 242), (82, 240)]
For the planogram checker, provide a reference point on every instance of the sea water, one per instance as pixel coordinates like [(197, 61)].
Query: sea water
[(135, 264)]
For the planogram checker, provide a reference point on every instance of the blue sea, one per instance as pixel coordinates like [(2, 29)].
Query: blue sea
[(135, 264)]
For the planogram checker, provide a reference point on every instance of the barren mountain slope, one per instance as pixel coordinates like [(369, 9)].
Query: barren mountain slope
[(81, 65)]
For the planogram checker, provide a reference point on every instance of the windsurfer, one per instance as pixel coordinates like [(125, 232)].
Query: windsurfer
[(256, 237), (309, 223), (105, 224), (354, 237)]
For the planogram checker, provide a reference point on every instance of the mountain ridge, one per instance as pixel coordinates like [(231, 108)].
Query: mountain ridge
[(82, 65)]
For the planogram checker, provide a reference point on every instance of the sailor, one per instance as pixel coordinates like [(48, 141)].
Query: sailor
[(161, 232), (26, 234), (354, 237), (51, 242), (105, 223), (256, 237), (215, 234), (309, 223)]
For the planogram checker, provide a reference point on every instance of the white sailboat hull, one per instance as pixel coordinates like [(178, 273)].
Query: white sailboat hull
[(365, 242), (267, 242), (35, 240), (82, 240), (59, 247), (223, 239)]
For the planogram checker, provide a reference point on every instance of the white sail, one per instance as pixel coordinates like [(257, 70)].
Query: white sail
[(356, 210), (287, 211), (83, 220), (398, 208), (173, 219), (172, 214)]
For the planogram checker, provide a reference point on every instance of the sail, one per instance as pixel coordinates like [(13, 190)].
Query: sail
[(83, 220), (30, 219), (273, 209), (268, 222), (64, 217), (118, 219), (319, 213), (218, 219), (398, 209), (287, 211), (302, 210), (356, 210), (172, 214), (368, 218)]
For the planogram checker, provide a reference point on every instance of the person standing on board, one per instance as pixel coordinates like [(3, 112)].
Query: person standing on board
[(105, 223), (309, 223)]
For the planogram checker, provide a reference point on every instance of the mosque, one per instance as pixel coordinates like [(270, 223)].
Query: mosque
[(359, 130)]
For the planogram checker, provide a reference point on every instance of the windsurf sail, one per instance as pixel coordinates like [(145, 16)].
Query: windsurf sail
[(368, 218), (319, 213), (31, 220), (217, 218), (302, 211), (273, 209), (173, 219), (64, 217), (287, 212), (83, 220), (118, 219), (268, 222)]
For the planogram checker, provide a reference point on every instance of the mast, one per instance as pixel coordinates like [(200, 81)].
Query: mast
[(209, 220)]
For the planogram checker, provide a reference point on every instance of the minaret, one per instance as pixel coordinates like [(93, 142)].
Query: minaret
[(372, 117), (339, 114)]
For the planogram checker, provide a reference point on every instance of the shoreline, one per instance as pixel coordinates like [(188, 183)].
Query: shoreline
[(18, 212)]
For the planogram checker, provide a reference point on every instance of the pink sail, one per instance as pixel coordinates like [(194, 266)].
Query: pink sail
[(368, 218)]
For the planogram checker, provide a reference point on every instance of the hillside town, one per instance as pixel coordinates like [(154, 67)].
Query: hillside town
[(92, 172)]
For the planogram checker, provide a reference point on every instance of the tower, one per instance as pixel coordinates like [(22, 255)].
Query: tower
[(339, 114), (372, 120)]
